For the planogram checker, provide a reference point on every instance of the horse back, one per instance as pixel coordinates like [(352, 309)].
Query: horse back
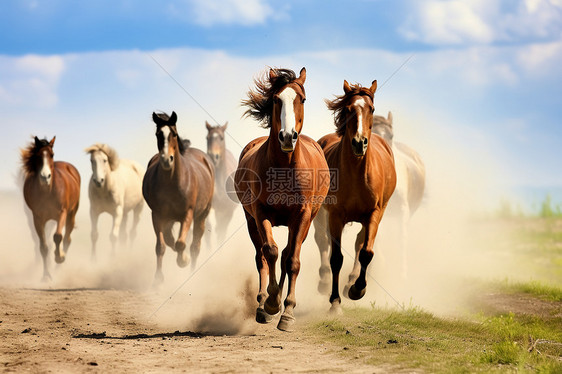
[(70, 187)]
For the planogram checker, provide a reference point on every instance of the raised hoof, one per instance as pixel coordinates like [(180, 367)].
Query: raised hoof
[(355, 294), (262, 316), (182, 259), (272, 309), (324, 288), (286, 323), (336, 309), (59, 259)]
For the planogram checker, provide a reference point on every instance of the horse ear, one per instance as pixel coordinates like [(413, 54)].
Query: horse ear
[(37, 142), (155, 118), (173, 119), (208, 126), (52, 142), (346, 88), (373, 86), (272, 74), (389, 117), (302, 76), (223, 127)]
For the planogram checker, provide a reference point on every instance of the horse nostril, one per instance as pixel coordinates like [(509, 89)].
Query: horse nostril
[(365, 141), (102, 180), (353, 142), (171, 158), (281, 136), (295, 135)]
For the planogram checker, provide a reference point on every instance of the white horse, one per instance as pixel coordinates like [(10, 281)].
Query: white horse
[(410, 184), (115, 188)]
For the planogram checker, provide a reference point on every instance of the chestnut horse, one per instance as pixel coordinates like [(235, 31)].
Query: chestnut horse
[(366, 180), (178, 187), (281, 180), (52, 192), (410, 185), (225, 166)]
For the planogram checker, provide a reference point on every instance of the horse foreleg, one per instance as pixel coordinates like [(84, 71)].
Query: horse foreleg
[(298, 230), (261, 265), (123, 230), (270, 251), (223, 219), (322, 238), (198, 232), (136, 218), (59, 254), (357, 290), (336, 261), (40, 230), (183, 258), (354, 274), (94, 216), (160, 248), (117, 220)]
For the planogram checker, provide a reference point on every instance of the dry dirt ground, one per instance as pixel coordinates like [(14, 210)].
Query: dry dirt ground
[(100, 330)]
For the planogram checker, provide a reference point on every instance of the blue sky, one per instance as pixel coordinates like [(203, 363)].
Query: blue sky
[(481, 88)]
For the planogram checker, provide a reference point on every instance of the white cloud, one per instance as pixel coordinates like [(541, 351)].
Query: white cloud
[(31, 80), (214, 12), (469, 22)]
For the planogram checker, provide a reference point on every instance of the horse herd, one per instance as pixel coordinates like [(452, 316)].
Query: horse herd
[(283, 179)]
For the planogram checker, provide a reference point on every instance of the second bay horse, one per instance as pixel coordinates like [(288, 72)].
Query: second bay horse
[(365, 178)]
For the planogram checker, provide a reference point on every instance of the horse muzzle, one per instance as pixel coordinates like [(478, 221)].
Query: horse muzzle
[(98, 182), (166, 161), (45, 180), (288, 140), (359, 146)]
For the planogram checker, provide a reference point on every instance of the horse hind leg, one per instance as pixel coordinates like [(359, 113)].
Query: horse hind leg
[(322, 238), (44, 250), (136, 219), (198, 232), (57, 238), (356, 270)]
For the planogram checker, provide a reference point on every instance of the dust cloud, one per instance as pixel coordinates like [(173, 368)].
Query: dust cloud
[(444, 253)]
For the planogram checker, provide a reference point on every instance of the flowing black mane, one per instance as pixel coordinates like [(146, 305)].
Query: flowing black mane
[(30, 156), (339, 104), (260, 99)]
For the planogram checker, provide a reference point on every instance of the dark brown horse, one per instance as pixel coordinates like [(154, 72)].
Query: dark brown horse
[(281, 180), (225, 165), (178, 187), (52, 192), (366, 180)]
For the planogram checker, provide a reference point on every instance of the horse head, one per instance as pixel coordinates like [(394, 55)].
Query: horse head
[(288, 110), (169, 143), (354, 115), (383, 127), (43, 151), (104, 160), (216, 145)]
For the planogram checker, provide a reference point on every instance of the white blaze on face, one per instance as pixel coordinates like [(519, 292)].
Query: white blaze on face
[(45, 169), (165, 133), (359, 104), (288, 118)]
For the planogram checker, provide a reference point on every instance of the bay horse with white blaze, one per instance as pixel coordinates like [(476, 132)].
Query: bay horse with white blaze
[(225, 166), (52, 192), (268, 197), (410, 185), (366, 181), (115, 188), (178, 187)]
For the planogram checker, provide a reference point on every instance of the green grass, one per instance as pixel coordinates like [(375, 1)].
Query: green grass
[(416, 339), (533, 288)]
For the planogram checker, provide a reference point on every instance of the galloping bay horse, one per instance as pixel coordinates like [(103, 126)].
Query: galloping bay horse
[(178, 187), (366, 180), (52, 192), (281, 180)]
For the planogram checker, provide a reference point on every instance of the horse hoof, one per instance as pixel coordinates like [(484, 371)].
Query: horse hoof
[(59, 259), (336, 309), (182, 259), (286, 323), (356, 294), (46, 278), (262, 317), (324, 288), (272, 309)]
